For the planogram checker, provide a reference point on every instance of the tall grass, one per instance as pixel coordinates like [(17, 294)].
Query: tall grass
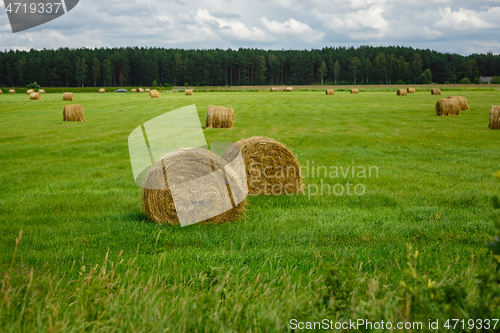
[(69, 187)]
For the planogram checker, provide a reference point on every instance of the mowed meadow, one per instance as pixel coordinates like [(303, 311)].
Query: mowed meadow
[(88, 260)]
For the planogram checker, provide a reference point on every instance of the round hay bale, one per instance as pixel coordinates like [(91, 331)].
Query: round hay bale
[(1, 92), (35, 96), (147, 90), (140, 90), (41, 91), (219, 117), (354, 91), (182, 165), (133, 90), (154, 94), (188, 92), (401, 92), (447, 107), (410, 90), (462, 102), (289, 89), (274, 89), (494, 117), (435, 91), (73, 112), (30, 91), (271, 167), (329, 92), (102, 91), (12, 91), (68, 96)]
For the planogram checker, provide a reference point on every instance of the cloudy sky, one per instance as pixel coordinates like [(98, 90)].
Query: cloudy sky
[(455, 26)]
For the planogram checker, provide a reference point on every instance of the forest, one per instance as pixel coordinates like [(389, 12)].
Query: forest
[(134, 66)]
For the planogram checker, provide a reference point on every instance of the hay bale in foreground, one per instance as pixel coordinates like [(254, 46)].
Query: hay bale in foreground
[(495, 117), (401, 92), (435, 91), (354, 91), (329, 92), (410, 90), (102, 91), (462, 102), (30, 91), (1, 92), (447, 107), (68, 96), (181, 165), (73, 112), (36, 96), (140, 90), (219, 117), (271, 167), (41, 91), (154, 94), (12, 91), (188, 92)]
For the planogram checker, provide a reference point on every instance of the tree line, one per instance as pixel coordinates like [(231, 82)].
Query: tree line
[(134, 66)]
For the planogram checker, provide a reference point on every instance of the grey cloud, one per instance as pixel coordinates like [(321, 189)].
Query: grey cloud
[(291, 24)]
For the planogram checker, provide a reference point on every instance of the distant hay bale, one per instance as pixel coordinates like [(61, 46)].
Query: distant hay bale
[(462, 102), (329, 92), (147, 90), (495, 117), (410, 90), (30, 91), (154, 94), (12, 91), (35, 95), (102, 91), (354, 91), (447, 107), (41, 91), (181, 165), (68, 96), (271, 167), (188, 92), (219, 117), (140, 90), (73, 112), (435, 91), (401, 92), (274, 89), (288, 89), (133, 90)]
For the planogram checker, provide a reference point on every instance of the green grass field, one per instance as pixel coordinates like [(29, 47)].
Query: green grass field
[(88, 259)]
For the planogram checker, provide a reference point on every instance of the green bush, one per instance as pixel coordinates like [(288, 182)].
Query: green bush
[(154, 84), (465, 80), (495, 80), (33, 85), (400, 82)]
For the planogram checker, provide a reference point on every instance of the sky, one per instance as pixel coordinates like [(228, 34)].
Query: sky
[(454, 26)]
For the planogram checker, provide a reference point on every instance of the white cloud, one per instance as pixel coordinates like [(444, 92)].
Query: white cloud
[(289, 24), (230, 27), (293, 27), (464, 19), (358, 24)]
